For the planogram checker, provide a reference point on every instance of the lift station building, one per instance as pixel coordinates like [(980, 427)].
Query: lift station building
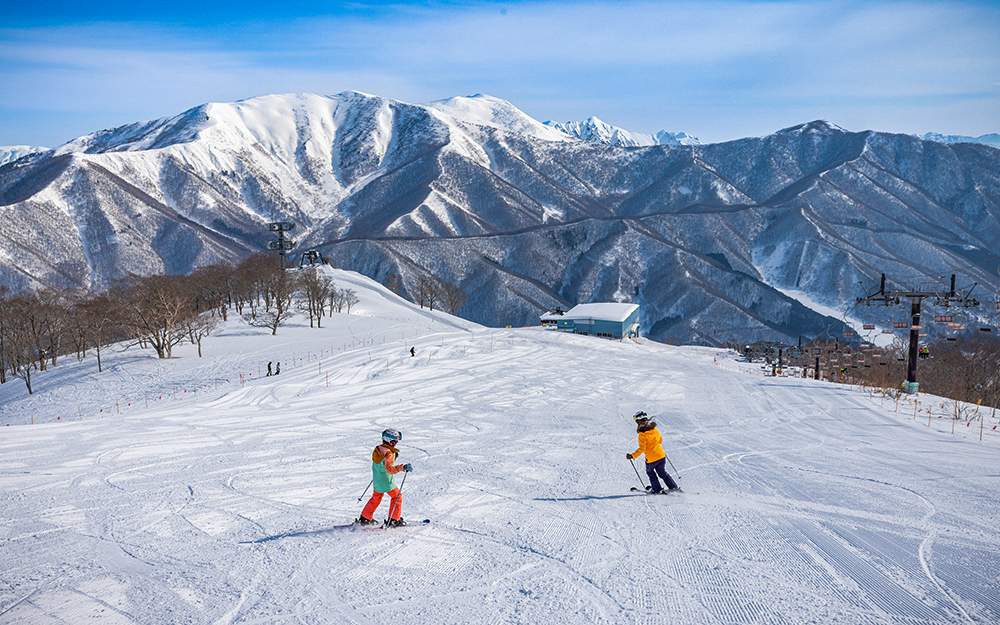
[(609, 320)]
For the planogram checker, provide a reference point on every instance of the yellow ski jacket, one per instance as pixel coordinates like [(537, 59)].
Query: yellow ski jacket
[(649, 443)]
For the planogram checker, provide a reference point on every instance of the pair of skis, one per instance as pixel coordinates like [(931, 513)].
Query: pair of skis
[(385, 525), (646, 489)]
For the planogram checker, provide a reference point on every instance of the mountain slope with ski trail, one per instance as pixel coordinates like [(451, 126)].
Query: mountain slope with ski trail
[(804, 502)]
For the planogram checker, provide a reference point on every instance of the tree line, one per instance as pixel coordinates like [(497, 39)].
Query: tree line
[(964, 369), (430, 291), (157, 312)]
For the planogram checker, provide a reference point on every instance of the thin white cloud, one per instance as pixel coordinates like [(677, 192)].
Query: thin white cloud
[(719, 69)]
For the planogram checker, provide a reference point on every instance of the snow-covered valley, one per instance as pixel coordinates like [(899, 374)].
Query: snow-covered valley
[(197, 490)]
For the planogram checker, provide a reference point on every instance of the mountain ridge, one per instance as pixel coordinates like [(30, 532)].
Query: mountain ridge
[(705, 237), (594, 129)]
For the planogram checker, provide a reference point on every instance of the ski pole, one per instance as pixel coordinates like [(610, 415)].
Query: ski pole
[(399, 497), (366, 489), (630, 461), (672, 465)]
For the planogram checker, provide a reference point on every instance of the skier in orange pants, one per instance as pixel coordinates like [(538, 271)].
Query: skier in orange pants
[(384, 482)]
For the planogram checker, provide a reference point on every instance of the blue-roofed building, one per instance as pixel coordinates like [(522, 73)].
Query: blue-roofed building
[(609, 320)]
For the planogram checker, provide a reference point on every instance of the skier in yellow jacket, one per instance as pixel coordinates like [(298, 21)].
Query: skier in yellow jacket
[(649, 445)]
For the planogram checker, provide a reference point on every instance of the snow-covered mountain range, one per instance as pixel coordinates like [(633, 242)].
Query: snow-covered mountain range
[(593, 129), (992, 139), (10, 153), (747, 239)]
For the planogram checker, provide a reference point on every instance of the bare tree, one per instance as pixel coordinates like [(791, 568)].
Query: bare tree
[(394, 283), (249, 282), (336, 300), (32, 316), (213, 288), (156, 309), (200, 326), (350, 297), (101, 316), (278, 291), (427, 291), (56, 305), (452, 295), (314, 291), (5, 320), (19, 342)]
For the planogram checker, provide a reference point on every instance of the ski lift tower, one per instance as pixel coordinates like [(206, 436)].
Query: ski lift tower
[(282, 244), (892, 298)]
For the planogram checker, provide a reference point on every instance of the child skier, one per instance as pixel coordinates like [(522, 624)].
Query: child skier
[(383, 481), (649, 444)]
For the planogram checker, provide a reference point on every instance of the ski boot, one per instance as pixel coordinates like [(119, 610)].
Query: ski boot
[(395, 523), (363, 521)]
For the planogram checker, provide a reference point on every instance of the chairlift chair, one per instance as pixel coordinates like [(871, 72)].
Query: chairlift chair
[(897, 321)]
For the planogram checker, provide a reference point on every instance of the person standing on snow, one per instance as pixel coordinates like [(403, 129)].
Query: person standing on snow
[(383, 481), (649, 445)]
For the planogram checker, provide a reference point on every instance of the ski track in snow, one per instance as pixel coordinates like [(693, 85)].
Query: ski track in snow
[(805, 502)]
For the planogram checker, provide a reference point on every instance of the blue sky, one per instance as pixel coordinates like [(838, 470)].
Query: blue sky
[(718, 70)]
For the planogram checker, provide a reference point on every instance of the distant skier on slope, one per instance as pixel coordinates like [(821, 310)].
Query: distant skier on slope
[(383, 481), (649, 445)]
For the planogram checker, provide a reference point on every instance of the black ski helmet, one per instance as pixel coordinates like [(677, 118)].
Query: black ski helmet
[(391, 436)]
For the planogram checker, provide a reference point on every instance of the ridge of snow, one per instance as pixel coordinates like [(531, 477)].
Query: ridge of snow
[(486, 110)]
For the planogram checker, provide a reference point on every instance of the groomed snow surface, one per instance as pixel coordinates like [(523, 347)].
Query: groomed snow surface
[(805, 502)]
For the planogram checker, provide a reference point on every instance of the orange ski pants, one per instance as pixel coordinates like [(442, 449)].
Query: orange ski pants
[(395, 505)]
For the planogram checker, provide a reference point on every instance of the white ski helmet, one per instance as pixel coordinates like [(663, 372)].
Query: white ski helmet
[(640, 417), (391, 436)]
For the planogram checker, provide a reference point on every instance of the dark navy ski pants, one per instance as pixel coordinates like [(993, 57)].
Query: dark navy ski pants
[(659, 468)]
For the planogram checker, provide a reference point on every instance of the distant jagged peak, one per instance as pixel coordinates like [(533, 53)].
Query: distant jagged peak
[(992, 140), (10, 153), (816, 127), (599, 131), (490, 111), (675, 138)]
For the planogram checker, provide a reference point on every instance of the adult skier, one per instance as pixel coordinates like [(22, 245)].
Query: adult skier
[(649, 445), (383, 481)]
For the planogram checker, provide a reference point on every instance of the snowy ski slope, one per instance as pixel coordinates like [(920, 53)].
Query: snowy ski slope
[(805, 502)]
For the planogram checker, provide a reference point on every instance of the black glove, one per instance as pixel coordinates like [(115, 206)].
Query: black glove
[(629, 456), (407, 467)]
